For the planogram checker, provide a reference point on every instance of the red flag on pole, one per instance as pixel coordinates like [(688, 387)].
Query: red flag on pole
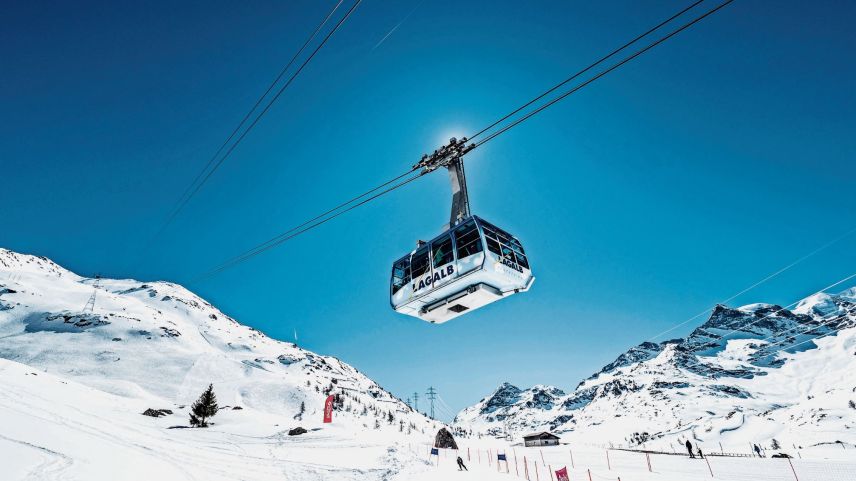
[(328, 409), (562, 474)]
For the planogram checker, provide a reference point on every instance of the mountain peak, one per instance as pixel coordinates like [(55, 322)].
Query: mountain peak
[(737, 377)]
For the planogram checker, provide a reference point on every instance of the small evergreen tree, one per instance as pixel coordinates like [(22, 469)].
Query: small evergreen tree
[(204, 408), (775, 444)]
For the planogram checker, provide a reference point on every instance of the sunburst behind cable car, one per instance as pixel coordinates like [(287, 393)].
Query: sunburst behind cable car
[(471, 264)]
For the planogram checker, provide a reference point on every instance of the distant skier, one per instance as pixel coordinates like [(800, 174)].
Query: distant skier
[(690, 448), (700, 455), (461, 465), (758, 451)]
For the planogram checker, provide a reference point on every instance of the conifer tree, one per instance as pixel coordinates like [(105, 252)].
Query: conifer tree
[(204, 408)]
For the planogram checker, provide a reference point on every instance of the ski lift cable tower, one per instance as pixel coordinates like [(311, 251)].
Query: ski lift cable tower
[(90, 304), (432, 395)]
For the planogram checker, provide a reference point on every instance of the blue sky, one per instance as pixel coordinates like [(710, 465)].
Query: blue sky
[(689, 174)]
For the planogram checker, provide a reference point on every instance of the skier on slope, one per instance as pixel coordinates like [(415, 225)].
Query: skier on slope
[(690, 448), (461, 465)]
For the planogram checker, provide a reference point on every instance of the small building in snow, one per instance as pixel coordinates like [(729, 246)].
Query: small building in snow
[(540, 439)]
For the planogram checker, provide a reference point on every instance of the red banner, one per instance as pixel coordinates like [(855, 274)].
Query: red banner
[(328, 409), (562, 475)]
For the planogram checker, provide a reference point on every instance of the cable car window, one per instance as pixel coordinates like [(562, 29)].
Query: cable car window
[(493, 245), (504, 244), (468, 240), (521, 260), (441, 251), (419, 262), (400, 274), (515, 245)]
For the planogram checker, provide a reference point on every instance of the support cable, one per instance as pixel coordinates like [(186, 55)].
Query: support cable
[(305, 227), (270, 103), (591, 66), (603, 73), (319, 220), (255, 106), (203, 177), (758, 283)]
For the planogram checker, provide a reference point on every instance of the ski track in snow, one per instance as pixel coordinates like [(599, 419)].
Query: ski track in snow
[(70, 410), (53, 466)]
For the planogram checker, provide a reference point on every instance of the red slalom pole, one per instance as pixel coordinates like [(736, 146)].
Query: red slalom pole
[(526, 467), (589, 473), (537, 477), (550, 467), (572, 458), (608, 464), (648, 457), (708, 467)]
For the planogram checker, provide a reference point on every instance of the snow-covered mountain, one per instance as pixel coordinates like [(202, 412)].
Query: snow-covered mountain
[(750, 374), (159, 343)]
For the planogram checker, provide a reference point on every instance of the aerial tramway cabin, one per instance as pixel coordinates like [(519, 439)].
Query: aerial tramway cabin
[(471, 264), (468, 266)]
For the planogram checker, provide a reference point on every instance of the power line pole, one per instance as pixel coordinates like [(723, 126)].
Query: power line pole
[(432, 395), (90, 304), (416, 401)]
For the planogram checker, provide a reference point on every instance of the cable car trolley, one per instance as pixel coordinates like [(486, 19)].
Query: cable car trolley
[(470, 265)]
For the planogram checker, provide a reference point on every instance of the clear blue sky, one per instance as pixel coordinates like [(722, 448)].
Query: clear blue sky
[(682, 178)]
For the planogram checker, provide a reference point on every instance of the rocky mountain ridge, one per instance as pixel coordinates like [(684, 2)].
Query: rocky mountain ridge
[(746, 374)]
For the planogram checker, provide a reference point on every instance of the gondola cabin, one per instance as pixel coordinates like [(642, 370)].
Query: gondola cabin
[(470, 265)]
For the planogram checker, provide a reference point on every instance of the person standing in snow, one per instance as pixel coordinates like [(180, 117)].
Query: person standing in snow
[(690, 448), (700, 455), (461, 465), (758, 451)]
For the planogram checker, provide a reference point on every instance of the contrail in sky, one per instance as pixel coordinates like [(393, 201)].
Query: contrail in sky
[(397, 25)]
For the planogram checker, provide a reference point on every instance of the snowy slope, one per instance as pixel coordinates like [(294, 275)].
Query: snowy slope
[(735, 380), (52, 428), (160, 344)]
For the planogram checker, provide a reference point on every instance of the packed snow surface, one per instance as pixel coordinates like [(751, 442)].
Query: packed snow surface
[(76, 376)]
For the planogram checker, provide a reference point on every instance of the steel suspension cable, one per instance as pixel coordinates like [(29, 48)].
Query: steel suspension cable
[(813, 338), (591, 66), (307, 226), (603, 73), (758, 283), (267, 107), (697, 360), (253, 109), (321, 219), (798, 330), (750, 324)]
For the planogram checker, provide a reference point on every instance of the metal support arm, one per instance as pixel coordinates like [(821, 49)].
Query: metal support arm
[(451, 156)]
